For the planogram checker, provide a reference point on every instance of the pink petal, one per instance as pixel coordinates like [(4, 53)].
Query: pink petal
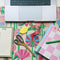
[(22, 54)]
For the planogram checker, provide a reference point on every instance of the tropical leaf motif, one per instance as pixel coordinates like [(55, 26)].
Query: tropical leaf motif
[(12, 52), (2, 10), (31, 24), (42, 26), (6, 59), (29, 29), (21, 24), (34, 28), (39, 33), (15, 57)]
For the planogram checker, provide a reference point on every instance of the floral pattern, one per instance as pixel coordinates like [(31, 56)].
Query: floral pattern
[(26, 24), (21, 59), (13, 47), (46, 24), (55, 29), (40, 58), (43, 25), (16, 32), (30, 40), (22, 54), (0, 8), (21, 24), (2, 22), (58, 22)]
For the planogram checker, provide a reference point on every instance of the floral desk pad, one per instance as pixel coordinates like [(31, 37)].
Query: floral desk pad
[(25, 54)]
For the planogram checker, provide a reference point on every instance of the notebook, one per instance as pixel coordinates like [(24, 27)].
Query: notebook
[(50, 51), (6, 34), (30, 10)]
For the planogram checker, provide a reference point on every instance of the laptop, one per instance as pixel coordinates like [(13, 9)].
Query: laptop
[(30, 10)]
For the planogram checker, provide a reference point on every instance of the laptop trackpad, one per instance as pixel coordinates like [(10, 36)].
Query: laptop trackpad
[(30, 13)]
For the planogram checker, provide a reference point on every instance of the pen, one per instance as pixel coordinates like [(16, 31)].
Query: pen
[(52, 41)]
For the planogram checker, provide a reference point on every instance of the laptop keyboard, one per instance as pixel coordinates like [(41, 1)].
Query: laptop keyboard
[(30, 2)]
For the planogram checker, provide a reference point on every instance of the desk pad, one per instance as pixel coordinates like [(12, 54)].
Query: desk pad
[(17, 49)]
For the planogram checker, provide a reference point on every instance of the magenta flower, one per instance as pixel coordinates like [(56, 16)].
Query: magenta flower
[(26, 24), (22, 54), (0, 8), (21, 24), (13, 47)]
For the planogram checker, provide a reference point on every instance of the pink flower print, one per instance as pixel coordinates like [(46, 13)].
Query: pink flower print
[(26, 24), (0, 8), (13, 47), (55, 29), (19, 23), (22, 54), (16, 32)]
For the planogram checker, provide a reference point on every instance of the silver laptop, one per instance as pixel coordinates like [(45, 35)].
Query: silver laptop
[(30, 12)]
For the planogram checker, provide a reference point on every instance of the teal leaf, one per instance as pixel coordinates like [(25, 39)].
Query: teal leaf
[(12, 52), (15, 57), (54, 23), (2, 10), (21, 24), (31, 24), (42, 26), (34, 28), (39, 49), (39, 33), (29, 29)]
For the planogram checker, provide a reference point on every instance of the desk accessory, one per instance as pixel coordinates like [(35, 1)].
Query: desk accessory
[(50, 51), (6, 34), (55, 41), (20, 41)]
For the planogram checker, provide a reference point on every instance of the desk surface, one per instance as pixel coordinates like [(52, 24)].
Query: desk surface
[(17, 27)]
